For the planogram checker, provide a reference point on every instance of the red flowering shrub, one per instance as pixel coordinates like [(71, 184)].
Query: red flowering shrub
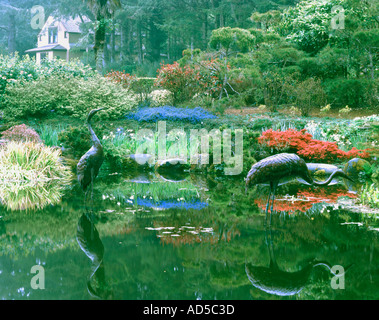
[(21, 133), (207, 76), (125, 79), (182, 82), (305, 146)]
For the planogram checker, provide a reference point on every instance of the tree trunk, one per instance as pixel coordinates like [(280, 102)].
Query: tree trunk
[(99, 44), (12, 33), (371, 66), (139, 43)]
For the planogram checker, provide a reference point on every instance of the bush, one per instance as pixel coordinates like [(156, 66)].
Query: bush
[(304, 145), (66, 96), (21, 133), (77, 140), (352, 92), (181, 81), (14, 69)]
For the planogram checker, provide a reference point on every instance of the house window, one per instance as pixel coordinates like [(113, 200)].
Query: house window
[(65, 34), (53, 35), (43, 55)]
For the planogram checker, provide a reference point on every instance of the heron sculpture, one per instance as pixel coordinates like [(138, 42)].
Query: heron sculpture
[(89, 164), (282, 168)]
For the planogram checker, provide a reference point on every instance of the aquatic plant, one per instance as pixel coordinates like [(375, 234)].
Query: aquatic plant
[(49, 134), (194, 115)]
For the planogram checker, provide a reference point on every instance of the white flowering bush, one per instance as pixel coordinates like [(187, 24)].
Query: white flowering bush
[(160, 97), (15, 69)]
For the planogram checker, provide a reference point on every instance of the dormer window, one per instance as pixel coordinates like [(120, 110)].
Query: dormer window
[(53, 35)]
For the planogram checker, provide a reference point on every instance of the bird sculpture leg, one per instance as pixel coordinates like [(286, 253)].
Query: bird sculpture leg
[(92, 178), (273, 199), (268, 203)]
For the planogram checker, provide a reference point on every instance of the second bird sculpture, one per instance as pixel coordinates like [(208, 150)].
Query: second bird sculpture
[(282, 168), (89, 164)]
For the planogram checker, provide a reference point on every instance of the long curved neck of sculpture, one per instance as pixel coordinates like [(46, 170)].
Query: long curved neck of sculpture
[(94, 138), (333, 175)]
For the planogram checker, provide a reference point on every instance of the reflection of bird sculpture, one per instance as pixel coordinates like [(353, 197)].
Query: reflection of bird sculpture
[(89, 164), (89, 241), (275, 281), (282, 168)]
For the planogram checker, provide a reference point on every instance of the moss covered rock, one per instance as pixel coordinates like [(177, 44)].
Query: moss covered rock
[(358, 166)]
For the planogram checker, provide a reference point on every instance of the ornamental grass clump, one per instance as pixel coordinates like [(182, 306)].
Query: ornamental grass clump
[(32, 164)]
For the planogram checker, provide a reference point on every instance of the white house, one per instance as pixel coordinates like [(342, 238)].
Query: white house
[(58, 38)]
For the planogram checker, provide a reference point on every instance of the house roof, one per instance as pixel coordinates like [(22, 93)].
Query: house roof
[(50, 47), (73, 25)]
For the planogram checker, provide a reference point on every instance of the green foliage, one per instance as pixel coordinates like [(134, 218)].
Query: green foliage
[(232, 39), (351, 92), (77, 139), (67, 96), (307, 94), (370, 195)]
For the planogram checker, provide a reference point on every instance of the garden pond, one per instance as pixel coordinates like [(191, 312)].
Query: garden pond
[(187, 236)]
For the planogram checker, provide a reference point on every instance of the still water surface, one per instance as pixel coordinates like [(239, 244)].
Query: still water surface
[(189, 237)]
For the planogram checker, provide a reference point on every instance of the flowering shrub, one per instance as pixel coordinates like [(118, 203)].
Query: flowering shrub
[(181, 81), (305, 146), (21, 133), (171, 113), (125, 79), (14, 69)]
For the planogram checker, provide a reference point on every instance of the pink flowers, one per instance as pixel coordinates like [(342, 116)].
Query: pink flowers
[(21, 133)]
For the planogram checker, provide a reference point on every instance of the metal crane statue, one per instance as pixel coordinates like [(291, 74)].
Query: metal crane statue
[(282, 168), (89, 164)]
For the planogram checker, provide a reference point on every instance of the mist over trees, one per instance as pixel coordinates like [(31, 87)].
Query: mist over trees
[(135, 31)]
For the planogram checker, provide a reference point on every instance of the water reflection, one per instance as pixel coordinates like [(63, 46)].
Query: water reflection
[(274, 280), (90, 243), (216, 252)]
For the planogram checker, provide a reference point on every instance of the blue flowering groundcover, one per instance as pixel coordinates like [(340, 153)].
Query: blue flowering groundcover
[(147, 114)]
